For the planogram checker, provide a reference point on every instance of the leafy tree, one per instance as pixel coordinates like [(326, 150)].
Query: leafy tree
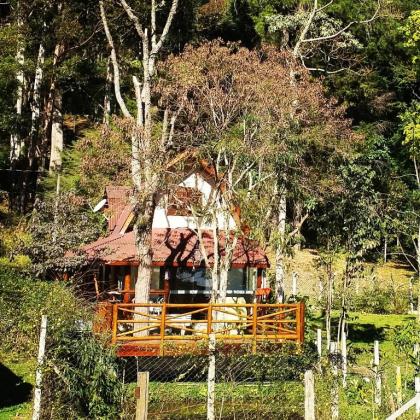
[(57, 225), (229, 95)]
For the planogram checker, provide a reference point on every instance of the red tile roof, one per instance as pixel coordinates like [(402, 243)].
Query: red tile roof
[(173, 247)]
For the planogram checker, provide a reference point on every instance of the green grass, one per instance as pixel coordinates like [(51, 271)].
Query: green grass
[(234, 400), (356, 402), (17, 376)]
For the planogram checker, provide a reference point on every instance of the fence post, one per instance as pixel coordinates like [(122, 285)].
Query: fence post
[(142, 395), (114, 322), (334, 388), (254, 328), (211, 378), (294, 283), (378, 381), (344, 357), (398, 386), (309, 395), (417, 387), (162, 329), (319, 342), (300, 321), (38, 379)]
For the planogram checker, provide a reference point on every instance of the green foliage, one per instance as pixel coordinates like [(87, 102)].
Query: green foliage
[(82, 378), (59, 224), (271, 362), (23, 301), (405, 338), (380, 299), (99, 158), (411, 31), (81, 373), (411, 128)]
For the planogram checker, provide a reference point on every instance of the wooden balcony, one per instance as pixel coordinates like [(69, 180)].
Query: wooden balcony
[(164, 329)]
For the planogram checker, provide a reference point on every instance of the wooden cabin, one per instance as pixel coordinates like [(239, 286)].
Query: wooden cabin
[(179, 305)]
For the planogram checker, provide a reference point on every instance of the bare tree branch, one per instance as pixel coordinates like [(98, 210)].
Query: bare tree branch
[(114, 61), (327, 37), (134, 19), (157, 46), (305, 29)]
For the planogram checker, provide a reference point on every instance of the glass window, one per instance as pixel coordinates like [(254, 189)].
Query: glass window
[(133, 275), (251, 280), (237, 279), (157, 279), (191, 279)]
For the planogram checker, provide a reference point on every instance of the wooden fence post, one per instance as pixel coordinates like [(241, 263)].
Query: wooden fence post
[(378, 380), (344, 357), (309, 395), (38, 378), (417, 387), (294, 284), (319, 342), (142, 395), (334, 388), (398, 386), (211, 378)]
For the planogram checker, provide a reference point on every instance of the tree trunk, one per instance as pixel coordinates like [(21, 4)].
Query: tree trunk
[(330, 288), (297, 222), (52, 133), (385, 248), (36, 104), (143, 233), (16, 143), (107, 97), (223, 285), (280, 248), (215, 272), (57, 137)]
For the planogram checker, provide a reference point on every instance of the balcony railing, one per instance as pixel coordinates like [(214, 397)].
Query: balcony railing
[(158, 324)]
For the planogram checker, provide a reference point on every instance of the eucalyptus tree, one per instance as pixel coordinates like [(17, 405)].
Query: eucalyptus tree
[(149, 152), (50, 40)]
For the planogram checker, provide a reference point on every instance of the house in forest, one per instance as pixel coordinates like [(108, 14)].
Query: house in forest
[(179, 306), (179, 271)]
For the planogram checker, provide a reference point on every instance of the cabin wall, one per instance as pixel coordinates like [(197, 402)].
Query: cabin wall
[(163, 221)]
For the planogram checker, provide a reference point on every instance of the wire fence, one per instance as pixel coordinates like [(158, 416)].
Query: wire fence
[(80, 377)]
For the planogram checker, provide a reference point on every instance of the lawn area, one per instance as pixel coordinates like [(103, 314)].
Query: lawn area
[(17, 376)]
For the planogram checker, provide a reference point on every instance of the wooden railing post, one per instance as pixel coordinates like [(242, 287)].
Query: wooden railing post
[(162, 329), (254, 328), (114, 322), (300, 321)]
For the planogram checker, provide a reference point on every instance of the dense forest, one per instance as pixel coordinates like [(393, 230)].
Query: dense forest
[(307, 113), (343, 158)]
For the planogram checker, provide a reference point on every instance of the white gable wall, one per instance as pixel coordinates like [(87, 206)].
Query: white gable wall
[(162, 220)]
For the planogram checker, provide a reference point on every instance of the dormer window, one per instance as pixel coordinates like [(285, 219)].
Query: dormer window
[(183, 200)]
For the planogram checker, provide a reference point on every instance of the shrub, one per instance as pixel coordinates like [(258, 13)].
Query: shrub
[(22, 303), (82, 378)]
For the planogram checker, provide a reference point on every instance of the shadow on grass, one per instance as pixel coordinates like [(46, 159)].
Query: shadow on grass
[(13, 389), (365, 333)]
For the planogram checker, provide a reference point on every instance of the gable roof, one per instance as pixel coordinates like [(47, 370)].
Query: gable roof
[(118, 198)]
